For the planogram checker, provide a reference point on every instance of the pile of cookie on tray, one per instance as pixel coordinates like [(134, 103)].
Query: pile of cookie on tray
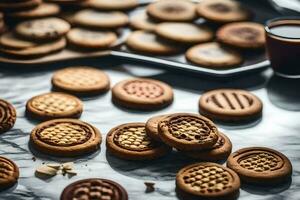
[(212, 33), (194, 135)]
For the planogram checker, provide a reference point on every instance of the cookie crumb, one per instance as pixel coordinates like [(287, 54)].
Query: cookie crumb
[(33, 158), (149, 187)]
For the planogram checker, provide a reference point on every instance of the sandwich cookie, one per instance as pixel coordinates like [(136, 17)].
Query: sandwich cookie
[(222, 11), (97, 19), (185, 33), (130, 142), (220, 151), (94, 188), (149, 43), (82, 81), (54, 105), (142, 94), (260, 165), (8, 116), (9, 173), (172, 10), (188, 132), (230, 105), (151, 127), (113, 4), (65, 138), (213, 55), (247, 35), (207, 181), (91, 39), (43, 29)]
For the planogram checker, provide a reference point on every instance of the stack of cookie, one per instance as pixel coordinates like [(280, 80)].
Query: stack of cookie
[(172, 26)]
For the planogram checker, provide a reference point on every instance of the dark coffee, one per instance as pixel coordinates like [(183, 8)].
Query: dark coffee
[(283, 45)]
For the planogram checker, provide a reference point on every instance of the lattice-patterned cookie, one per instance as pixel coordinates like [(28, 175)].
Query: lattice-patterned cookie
[(142, 94), (9, 173), (230, 105), (94, 189), (65, 137), (188, 132), (260, 165), (208, 181), (81, 81), (7, 116), (130, 141), (151, 127), (220, 151), (54, 105)]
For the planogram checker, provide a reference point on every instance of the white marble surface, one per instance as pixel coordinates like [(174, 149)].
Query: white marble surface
[(279, 128)]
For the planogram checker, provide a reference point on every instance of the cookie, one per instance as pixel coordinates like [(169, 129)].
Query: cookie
[(151, 127), (97, 19), (130, 141), (37, 50), (142, 94), (43, 10), (19, 5), (222, 11), (54, 105), (230, 105), (141, 21), (207, 180), (149, 43), (43, 29), (220, 151), (213, 55), (260, 165), (185, 33), (247, 35), (172, 10), (12, 41), (8, 116), (9, 173), (113, 4), (65, 138), (188, 132), (94, 188), (68, 2), (81, 81), (91, 39)]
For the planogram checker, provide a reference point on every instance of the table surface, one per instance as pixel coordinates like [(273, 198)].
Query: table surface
[(278, 129)]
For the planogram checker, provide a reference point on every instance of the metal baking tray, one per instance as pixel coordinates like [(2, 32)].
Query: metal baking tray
[(254, 61)]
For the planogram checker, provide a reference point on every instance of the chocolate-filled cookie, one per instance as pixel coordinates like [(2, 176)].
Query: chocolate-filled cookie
[(188, 132), (151, 127), (247, 35), (43, 29), (130, 142), (142, 94), (65, 138), (186, 33), (8, 116), (9, 173), (260, 165), (81, 80), (54, 105), (220, 151), (222, 11), (172, 10), (94, 188), (230, 105), (214, 55), (149, 43), (112, 4), (207, 181)]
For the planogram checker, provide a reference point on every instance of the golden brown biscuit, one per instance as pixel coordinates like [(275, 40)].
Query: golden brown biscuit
[(65, 137), (82, 81), (8, 116), (142, 94), (151, 127), (260, 165), (112, 4), (230, 105), (207, 181), (141, 21), (9, 173), (188, 132), (130, 142), (54, 105)]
